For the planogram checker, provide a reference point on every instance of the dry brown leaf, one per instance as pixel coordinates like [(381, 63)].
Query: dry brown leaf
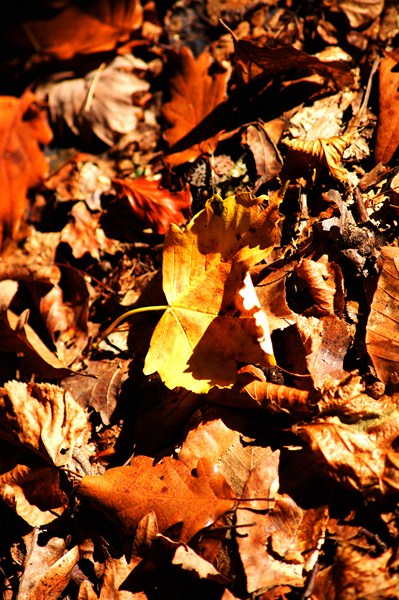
[(327, 152), (127, 494), (387, 129), (214, 318), (111, 111), (83, 233), (150, 203), (188, 560), (324, 280), (273, 299), (44, 418), (33, 356), (252, 60), (74, 29), (359, 12), (54, 581), (283, 543), (267, 161), (366, 461), (382, 337), (23, 127), (34, 494), (194, 94)]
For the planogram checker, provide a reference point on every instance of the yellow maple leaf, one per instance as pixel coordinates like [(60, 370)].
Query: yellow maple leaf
[(214, 318)]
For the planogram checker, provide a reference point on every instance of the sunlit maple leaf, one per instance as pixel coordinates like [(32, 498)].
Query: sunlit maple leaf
[(22, 164), (152, 204), (194, 94), (327, 152), (127, 494), (214, 318)]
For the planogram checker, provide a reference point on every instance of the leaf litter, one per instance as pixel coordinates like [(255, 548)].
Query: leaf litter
[(198, 287)]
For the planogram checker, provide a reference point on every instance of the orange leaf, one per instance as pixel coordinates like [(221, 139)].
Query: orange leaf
[(195, 93), (127, 494), (388, 119), (22, 165), (152, 204), (382, 336)]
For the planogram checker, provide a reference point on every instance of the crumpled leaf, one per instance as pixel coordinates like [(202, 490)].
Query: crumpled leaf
[(214, 317), (324, 281), (127, 494), (152, 204), (327, 152), (382, 337), (34, 494), (364, 460), (111, 111), (282, 544), (272, 296), (42, 417), (388, 118), (359, 12), (263, 149), (194, 94), (23, 127)]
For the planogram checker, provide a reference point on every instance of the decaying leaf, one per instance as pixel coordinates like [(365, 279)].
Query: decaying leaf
[(283, 543), (359, 12), (127, 494), (256, 138), (44, 418), (324, 281), (111, 112), (23, 127), (150, 203), (323, 152), (387, 130), (364, 460), (382, 336), (34, 494), (194, 94), (214, 318)]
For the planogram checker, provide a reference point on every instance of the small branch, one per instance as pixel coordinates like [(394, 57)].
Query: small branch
[(127, 315)]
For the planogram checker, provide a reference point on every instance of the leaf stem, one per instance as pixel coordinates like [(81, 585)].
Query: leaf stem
[(125, 316)]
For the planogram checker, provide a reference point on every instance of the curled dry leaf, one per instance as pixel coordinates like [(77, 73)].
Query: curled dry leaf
[(127, 494), (214, 318), (364, 460), (272, 296), (188, 560), (382, 337), (111, 111), (388, 119), (44, 418), (23, 127), (263, 149), (34, 494), (359, 12), (153, 205), (194, 95), (327, 152), (325, 284), (348, 398)]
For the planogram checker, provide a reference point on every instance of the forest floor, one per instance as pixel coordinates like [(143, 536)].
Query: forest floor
[(199, 277)]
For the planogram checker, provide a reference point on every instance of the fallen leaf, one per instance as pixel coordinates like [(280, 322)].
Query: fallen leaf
[(111, 111), (194, 94), (211, 439), (34, 494), (78, 30), (190, 561), (263, 149), (252, 60), (324, 281), (271, 292), (84, 234), (382, 337), (23, 127), (127, 494), (327, 152), (387, 129), (359, 12), (44, 418), (54, 581), (214, 318), (152, 204)]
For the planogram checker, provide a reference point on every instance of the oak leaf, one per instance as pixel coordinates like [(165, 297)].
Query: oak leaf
[(214, 318), (152, 204), (194, 95), (22, 164), (127, 494)]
